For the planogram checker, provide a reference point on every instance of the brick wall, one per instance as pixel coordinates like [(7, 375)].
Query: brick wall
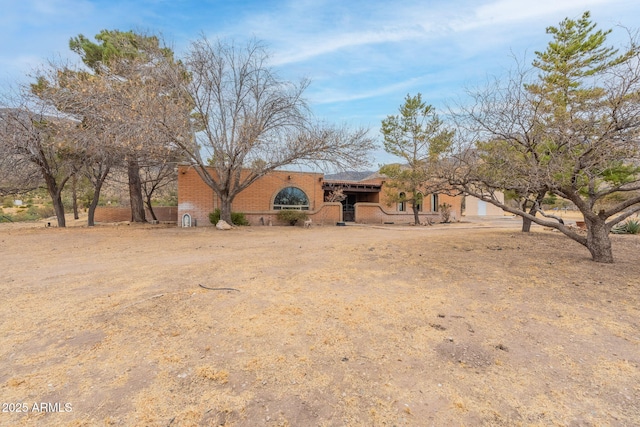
[(118, 214), (194, 197), (198, 200)]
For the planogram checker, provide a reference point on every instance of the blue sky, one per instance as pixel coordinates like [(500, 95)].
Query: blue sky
[(363, 57)]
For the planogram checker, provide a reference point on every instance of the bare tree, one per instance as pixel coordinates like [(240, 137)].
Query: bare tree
[(131, 64), (32, 135), (117, 108), (157, 176), (573, 131), (87, 101), (503, 110), (246, 121), (17, 174)]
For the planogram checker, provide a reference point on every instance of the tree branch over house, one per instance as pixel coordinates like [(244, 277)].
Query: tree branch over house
[(246, 121)]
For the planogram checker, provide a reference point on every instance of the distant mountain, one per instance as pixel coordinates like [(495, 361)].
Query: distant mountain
[(349, 176)]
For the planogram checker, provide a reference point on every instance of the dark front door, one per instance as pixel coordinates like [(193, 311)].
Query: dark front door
[(348, 208)]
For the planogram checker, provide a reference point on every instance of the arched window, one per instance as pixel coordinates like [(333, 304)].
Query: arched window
[(419, 201), (291, 198), (434, 203), (402, 205)]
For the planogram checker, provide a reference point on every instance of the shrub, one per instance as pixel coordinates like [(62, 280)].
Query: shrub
[(237, 218), (292, 216), (45, 211), (24, 213), (445, 212), (32, 212), (214, 217), (631, 226), (22, 216), (7, 202)]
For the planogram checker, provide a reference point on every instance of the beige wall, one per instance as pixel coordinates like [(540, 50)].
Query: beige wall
[(378, 213), (473, 207)]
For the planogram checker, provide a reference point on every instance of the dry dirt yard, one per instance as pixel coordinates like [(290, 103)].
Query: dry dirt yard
[(458, 324)]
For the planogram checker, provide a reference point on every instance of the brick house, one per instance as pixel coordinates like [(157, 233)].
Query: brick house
[(260, 202)]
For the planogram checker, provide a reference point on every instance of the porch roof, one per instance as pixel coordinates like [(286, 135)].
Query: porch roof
[(352, 187)]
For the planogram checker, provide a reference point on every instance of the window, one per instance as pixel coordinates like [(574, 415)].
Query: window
[(434, 203), (402, 205), (419, 201), (291, 198)]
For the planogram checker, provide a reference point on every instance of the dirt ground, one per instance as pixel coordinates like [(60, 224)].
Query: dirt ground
[(462, 324)]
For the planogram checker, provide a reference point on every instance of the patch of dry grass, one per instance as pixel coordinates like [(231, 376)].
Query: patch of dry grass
[(332, 326)]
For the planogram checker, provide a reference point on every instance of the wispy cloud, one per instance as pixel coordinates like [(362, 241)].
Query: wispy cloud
[(322, 45), (363, 56), (300, 38), (332, 96)]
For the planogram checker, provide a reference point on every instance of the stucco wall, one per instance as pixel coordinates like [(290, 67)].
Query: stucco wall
[(378, 213), (472, 207)]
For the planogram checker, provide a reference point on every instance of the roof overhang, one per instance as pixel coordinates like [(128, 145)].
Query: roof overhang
[(351, 187)]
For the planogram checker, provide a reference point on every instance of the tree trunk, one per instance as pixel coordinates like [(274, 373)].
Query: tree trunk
[(56, 197), (416, 216), (92, 209), (58, 207), (135, 192), (526, 223), (148, 203), (225, 209), (74, 196), (96, 197), (598, 241)]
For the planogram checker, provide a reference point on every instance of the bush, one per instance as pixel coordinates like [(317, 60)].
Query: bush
[(32, 213), (445, 212), (45, 211), (632, 226), (237, 218), (23, 216), (292, 216), (7, 202)]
